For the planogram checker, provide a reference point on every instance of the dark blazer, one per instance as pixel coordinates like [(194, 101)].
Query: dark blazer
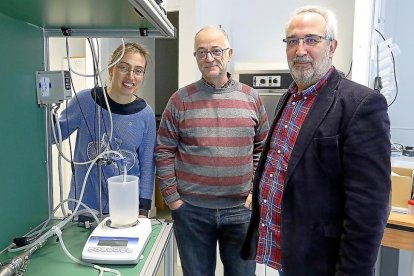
[(335, 202)]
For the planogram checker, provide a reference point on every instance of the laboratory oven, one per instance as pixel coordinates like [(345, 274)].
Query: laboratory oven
[(271, 84)]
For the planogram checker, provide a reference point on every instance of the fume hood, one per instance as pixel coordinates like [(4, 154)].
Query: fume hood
[(101, 18)]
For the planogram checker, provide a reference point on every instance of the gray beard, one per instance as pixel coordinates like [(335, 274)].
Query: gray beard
[(307, 78)]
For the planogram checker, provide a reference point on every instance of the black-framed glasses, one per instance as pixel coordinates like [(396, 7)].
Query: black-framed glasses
[(309, 40), (125, 68), (215, 53)]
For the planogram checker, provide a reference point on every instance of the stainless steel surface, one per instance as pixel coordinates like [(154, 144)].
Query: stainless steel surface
[(88, 17), (18, 262), (269, 92), (152, 12), (163, 247), (270, 101), (169, 258)]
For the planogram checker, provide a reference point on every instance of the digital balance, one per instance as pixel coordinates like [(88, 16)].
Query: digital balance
[(117, 245)]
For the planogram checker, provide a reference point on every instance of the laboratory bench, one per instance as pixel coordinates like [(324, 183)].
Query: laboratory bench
[(399, 234), (52, 260)]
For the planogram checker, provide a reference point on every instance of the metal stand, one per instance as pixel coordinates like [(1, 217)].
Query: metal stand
[(99, 164)]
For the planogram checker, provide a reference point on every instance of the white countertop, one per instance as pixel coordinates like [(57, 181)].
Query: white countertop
[(399, 160)]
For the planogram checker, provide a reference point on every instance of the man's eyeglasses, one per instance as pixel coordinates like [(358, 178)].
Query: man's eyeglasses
[(215, 53), (310, 40), (125, 68)]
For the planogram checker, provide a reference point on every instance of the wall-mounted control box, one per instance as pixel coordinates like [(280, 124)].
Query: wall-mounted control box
[(271, 81), (53, 86), (266, 81), (271, 84)]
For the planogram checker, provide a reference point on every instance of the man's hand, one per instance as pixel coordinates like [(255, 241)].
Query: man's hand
[(176, 204), (248, 203)]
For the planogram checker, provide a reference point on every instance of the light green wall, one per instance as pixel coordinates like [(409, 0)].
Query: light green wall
[(23, 178)]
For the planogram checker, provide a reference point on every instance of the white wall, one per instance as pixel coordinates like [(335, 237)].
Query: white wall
[(363, 28), (255, 28)]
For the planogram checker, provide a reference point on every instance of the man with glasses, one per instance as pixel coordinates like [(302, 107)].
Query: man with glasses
[(209, 141), (322, 185)]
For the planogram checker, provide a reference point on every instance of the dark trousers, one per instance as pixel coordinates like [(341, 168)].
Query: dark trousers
[(197, 231)]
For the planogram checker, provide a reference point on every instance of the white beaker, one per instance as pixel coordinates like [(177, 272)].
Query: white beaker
[(123, 193)]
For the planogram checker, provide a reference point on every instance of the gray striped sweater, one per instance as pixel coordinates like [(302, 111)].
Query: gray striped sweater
[(208, 145)]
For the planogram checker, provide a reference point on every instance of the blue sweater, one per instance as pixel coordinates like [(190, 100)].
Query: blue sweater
[(134, 134)]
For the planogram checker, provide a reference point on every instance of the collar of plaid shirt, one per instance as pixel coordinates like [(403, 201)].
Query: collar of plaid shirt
[(227, 84), (293, 88)]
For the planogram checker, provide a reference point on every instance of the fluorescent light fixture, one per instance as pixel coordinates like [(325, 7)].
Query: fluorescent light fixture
[(153, 13)]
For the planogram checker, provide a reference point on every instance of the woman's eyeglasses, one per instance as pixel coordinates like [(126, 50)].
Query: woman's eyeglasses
[(125, 68)]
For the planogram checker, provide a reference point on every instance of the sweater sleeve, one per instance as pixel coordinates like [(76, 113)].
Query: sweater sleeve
[(70, 118), (147, 163), (262, 130), (167, 142)]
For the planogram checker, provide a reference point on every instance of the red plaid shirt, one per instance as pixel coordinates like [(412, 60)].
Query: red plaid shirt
[(283, 140)]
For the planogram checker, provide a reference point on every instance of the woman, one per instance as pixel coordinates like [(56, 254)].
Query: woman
[(133, 134)]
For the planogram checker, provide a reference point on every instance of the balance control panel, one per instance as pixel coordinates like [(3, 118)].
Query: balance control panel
[(112, 245)]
